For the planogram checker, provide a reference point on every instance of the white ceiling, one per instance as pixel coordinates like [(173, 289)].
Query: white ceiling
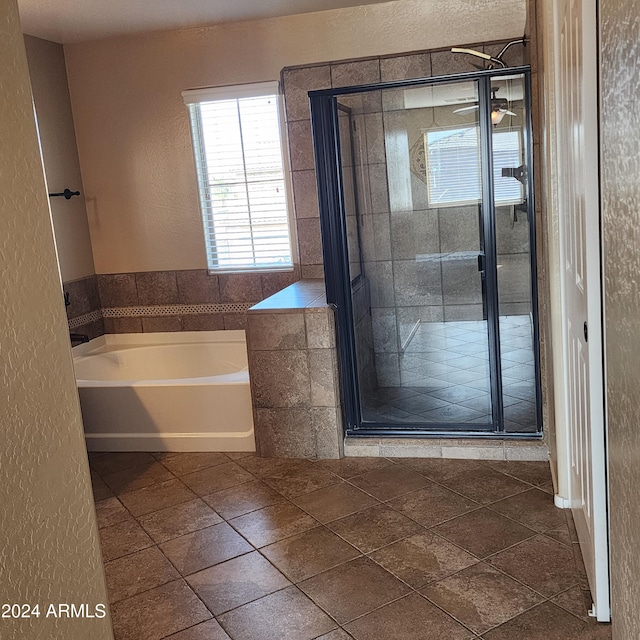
[(80, 20)]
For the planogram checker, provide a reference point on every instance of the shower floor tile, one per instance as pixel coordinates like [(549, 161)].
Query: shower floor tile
[(446, 368), (419, 531)]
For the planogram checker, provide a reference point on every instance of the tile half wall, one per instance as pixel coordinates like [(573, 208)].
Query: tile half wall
[(149, 301)]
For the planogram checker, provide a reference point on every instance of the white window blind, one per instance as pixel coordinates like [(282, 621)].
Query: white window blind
[(241, 181), (453, 166)]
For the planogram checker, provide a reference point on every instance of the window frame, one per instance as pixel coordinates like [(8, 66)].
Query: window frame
[(238, 92), (463, 203)]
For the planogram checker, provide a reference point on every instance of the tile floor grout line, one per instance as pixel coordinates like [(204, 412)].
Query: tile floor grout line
[(524, 584), (480, 634), (482, 504), (126, 555), (179, 579), (266, 595), (116, 493), (482, 462), (523, 524), (565, 608), (186, 628), (182, 534), (213, 466), (386, 503), (121, 504), (184, 579), (448, 613), (230, 523), (158, 484), (341, 480), (428, 528), (339, 564), (139, 593), (537, 486), (126, 468)]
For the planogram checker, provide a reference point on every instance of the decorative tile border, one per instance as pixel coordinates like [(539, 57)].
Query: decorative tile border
[(85, 319), (158, 311), (175, 310)]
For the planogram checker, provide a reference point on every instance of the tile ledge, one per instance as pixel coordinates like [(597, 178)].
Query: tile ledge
[(304, 294)]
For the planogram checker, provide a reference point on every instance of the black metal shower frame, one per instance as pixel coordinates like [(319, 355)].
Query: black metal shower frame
[(324, 124)]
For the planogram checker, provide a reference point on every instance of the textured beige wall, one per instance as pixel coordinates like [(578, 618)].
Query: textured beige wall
[(620, 188), (48, 539), (133, 130), (547, 179), (60, 156)]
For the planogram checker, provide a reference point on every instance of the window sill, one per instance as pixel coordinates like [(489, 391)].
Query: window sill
[(215, 272)]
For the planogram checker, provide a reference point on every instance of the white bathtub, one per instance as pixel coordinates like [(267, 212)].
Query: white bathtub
[(183, 391)]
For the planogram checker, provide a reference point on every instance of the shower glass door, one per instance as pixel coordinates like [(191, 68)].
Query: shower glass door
[(410, 186)]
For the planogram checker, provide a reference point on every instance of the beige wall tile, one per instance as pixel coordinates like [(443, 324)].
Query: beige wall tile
[(305, 194), (414, 233), (123, 325), (196, 286), (300, 145), (279, 379), (203, 322), (240, 287), (268, 332), (285, 433), (157, 287), (233, 321), (117, 289), (320, 329), (360, 448), (451, 450), (526, 451), (312, 272), (278, 280), (297, 83), (405, 67), (162, 323), (445, 63), (323, 375), (309, 241), (327, 426)]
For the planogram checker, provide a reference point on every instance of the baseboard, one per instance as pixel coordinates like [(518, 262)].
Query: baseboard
[(561, 503), (242, 441)]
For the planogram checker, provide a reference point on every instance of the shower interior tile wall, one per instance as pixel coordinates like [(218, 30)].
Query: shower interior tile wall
[(399, 290)]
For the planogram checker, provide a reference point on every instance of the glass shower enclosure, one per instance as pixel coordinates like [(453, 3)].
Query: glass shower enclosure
[(426, 205)]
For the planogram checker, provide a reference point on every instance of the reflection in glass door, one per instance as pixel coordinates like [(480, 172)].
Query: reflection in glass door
[(516, 286), (430, 222)]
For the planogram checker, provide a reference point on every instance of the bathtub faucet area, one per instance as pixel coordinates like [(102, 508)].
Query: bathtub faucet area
[(79, 338)]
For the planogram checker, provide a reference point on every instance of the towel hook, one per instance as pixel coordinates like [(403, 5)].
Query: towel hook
[(67, 194)]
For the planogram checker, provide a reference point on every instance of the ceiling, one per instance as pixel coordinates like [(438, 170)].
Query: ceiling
[(68, 21)]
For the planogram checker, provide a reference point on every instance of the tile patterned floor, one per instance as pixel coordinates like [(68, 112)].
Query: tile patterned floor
[(444, 374), (211, 546)]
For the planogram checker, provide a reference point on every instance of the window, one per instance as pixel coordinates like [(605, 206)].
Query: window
[(453, 166), (241, 178)]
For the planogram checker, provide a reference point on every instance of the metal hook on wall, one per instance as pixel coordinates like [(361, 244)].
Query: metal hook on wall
[(67, 194)]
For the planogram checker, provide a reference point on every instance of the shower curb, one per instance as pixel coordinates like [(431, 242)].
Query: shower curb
[(476, 449)]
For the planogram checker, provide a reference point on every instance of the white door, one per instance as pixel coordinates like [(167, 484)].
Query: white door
[(577, 136)]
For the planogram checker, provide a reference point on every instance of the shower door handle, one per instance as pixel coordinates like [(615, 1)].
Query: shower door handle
[(481, 262)]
